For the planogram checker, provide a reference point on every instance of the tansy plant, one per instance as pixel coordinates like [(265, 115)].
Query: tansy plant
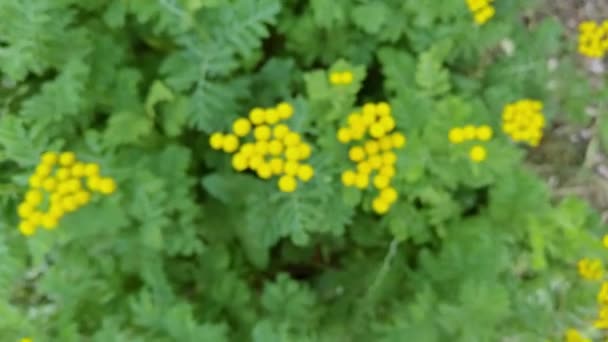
[(222, 230), (60, 185), (274, 151)]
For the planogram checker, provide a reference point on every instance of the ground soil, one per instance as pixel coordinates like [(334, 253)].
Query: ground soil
[(570, 157)]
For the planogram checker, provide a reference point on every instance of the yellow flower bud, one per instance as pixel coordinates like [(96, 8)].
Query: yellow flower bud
[(262, 133), (91, 170), (398, 140), (389, 195), (362, 180), (344, 135), (276, 164), (304, 150), (291, 168), (478, 153), (292, 139), (107, 186), (349, 178), (275, 147), (231, 143), (33, 197), (377, 130), (27, 228), (292, 153), (264, 171), (285, 110), (257, 116), (35, 181), (280, 131), (356, 154), (484, 133), (272, 116), (305, 172), (381, 182), (383, 109), (216, 141), (240, 162), (67, 158), (241, 127), (287, 184), (49, 184), (24, 210), (380, 206), (49, 158)]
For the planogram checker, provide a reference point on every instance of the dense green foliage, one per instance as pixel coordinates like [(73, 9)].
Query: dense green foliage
[(190, 250)]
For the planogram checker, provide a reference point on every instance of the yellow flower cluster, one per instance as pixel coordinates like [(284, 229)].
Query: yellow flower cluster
[(341, 78), (573, 335), (57, 184), (459, 135), (602, 300), (523, 121), (593, 39), (26, 339), (591, 269), (482, 10), (375, 154), (275, 151)]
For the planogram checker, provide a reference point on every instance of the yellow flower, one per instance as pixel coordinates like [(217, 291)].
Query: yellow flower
[(277, 164), (275, 147), (292, 153), (349, 178), (389, 158), (305, 151), (484, 133), (216, 141), (602, 295), (49, 158), (24, 210), (49, 222), (43, 170), (247, 149), (27, 228), (341, 78), (523, 121), (69, 204), (285, 110), (291, 168), (362, 180), (305, 172), (231, 143), (271, 116), (344, 135), (356, 153), (388, 123), (257, 116), (26, 339), (380, 206), (264, 171), (33, 197), (280, 131), (481, 17), (262, 133), (478, 153), (573, 335), (92, 169), (381, 182), (383, 109), (240, 162), (398, 140), (375, 161), (241, 127), (386, 143), (377, 130), (107, 186), (255, 161), (92, 182), (287, 183), (35, 181), (49, 184), (78, 170), (364, 167), (387, 171), (67, 158), (456, 135), (389, 195), (292, 139), (261, 147), (590, 269), (469, 132), (372, 147), (82, 197)]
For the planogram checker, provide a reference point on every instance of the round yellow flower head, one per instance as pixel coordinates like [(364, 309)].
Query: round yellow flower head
[(67, 158), (380, 206), (285, 110), (231, 143), (257, 116), (216, 141), (478, 153), (287, 184), (349, 178), (241, 127)]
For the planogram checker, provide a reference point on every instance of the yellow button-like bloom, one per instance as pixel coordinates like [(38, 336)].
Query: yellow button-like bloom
[(523, 121), (389, 195), (305, 172), (216, 141), (231, 143), (573, 335), (349, 178), (593, 39), (285, 110), (380, 206), (341, 78), (287, 184), (241, 127), (58, 190), (482, 10), (262, 133), (257, 116), (590, 269), (478, 153)]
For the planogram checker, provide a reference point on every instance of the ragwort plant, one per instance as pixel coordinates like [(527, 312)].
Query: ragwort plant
[(443, 236)]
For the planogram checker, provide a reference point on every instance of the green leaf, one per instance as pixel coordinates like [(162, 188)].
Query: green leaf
[(126, 128), (370, 17), (158, 93)]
